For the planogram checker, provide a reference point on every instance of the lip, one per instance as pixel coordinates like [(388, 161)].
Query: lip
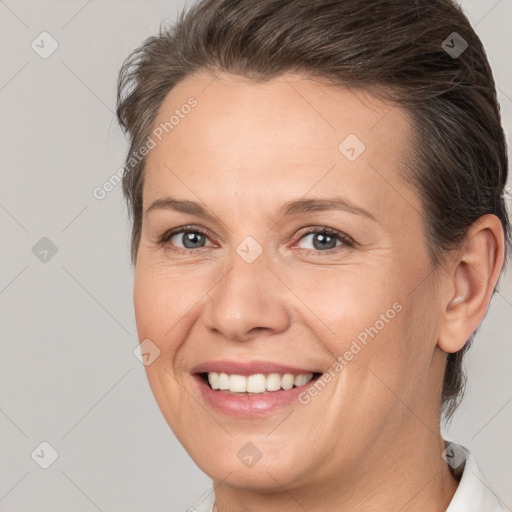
[(248, 368), (248, 405)]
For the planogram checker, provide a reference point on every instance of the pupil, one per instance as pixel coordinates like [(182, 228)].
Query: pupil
[(324, 240), (193, 238)]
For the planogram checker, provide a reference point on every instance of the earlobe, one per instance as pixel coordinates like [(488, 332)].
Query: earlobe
[(473, 279)]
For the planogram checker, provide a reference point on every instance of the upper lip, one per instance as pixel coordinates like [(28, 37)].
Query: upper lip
[(247, 368)]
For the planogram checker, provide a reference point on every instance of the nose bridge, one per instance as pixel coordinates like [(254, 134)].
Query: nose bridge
[(248, 296)]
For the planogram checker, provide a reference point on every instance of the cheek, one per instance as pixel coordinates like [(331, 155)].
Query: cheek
[(352, 302), (157, 312), (400, 357), (422, 324), (162, 299), (375, 319)]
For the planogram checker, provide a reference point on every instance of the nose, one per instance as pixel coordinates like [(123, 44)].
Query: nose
[(249, 301)]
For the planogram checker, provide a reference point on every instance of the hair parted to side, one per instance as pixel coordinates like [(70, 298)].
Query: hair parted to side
[(458, 159)]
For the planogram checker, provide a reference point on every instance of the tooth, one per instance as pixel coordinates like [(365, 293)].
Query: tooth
[(273, 382), (213, 379), (302, 379), (223, 381), (256, 383), (287, 381), (237, 383)]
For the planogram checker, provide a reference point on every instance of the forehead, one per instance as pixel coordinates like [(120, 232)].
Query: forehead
[(310, 110), (276, 138)]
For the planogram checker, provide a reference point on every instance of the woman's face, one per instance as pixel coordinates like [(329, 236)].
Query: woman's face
[(251, 284)]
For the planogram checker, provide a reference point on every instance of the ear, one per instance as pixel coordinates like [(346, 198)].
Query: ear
[(472, 278)]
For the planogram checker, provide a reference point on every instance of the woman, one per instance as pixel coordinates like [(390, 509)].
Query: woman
[(316, 191)]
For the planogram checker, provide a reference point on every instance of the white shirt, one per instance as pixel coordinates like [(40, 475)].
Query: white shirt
[(474, 494)]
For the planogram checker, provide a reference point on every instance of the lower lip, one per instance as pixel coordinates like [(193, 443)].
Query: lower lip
[(248, 404)]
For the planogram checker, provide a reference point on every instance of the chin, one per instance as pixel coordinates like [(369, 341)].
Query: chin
[(259, 465)]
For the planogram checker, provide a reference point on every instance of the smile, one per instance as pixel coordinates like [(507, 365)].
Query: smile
[(257, 383), (250, 389)]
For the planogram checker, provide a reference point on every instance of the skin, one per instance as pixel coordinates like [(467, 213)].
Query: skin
[(243, 151)]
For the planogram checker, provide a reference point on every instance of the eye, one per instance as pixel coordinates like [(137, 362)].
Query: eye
[(191, 237), (325, 239)]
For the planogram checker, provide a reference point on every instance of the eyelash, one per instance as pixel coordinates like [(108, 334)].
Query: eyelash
[(345, 239)]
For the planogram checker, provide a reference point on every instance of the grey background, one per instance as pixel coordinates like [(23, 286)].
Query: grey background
[(68, 375)]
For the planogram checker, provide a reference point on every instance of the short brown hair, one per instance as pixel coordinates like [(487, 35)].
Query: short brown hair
[(397, 47)]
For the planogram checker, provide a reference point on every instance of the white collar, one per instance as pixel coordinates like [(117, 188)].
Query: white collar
[(474, 494)]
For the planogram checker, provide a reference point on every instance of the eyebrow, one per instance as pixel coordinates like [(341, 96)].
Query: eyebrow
[(291, 208)]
